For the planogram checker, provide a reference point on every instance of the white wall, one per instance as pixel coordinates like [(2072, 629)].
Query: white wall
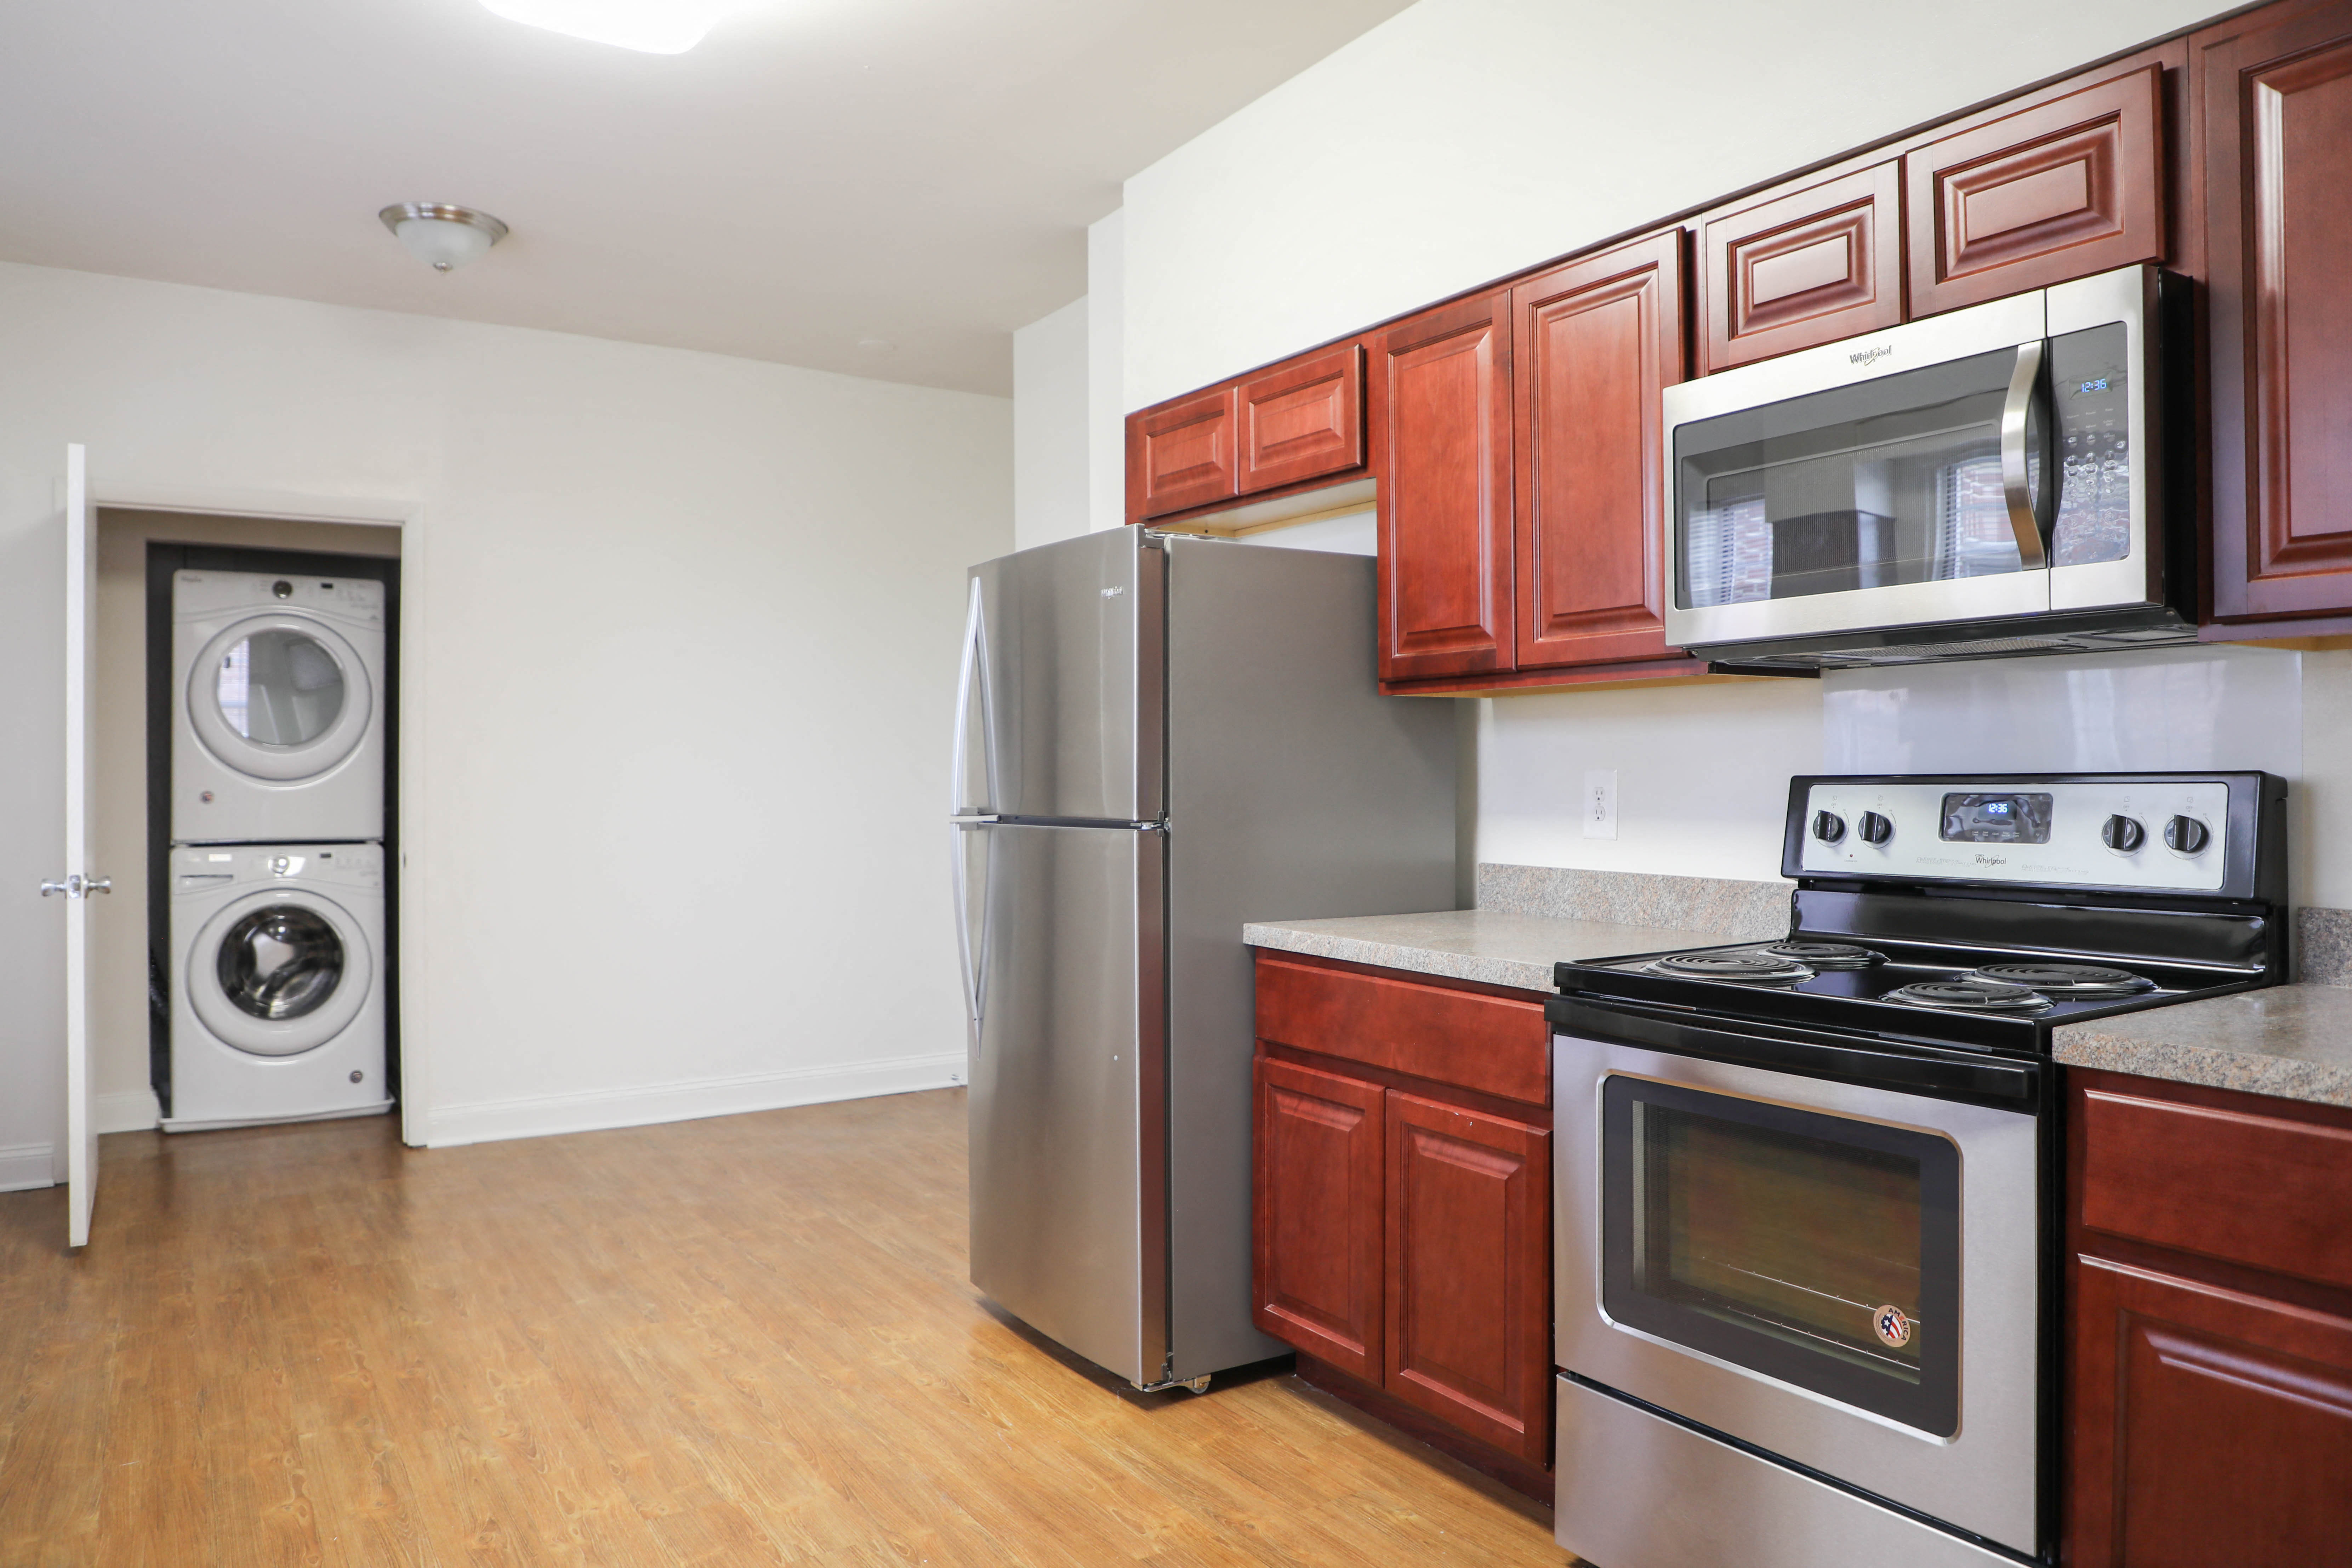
[(1464, 139), (1107, 403), (677, 708), (1050, 444)]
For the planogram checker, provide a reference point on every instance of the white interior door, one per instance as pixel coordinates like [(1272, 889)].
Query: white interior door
[(78, 886)]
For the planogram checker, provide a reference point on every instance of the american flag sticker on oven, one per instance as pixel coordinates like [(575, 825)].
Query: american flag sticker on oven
[(1891, 1326)]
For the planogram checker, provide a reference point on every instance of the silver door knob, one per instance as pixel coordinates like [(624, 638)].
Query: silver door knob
[(48, 887), (98, 885), (77, 886)]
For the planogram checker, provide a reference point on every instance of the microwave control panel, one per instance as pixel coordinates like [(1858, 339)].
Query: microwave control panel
[(2160, 835)]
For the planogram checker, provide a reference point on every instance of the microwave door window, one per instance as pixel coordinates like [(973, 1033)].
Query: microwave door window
[(1895, 481)]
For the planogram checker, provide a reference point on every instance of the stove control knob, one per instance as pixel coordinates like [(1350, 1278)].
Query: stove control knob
[(1874, 828), (2186, 836), (1828, 826), (2123, 835)]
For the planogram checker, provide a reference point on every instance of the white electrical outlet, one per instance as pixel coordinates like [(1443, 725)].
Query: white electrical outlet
[(1600, 803)]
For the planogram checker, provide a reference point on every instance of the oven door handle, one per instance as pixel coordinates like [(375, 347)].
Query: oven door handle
[(1937, 1072), (2028, 513)]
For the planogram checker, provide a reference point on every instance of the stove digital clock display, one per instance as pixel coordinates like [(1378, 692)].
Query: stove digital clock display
[(1996, 819)]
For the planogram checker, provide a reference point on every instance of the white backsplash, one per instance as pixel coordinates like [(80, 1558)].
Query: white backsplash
[(2159, 711)]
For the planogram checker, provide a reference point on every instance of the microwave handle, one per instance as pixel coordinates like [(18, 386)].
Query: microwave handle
[(2025, 519)]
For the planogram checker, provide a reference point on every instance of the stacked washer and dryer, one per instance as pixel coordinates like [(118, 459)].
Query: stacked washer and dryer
[(277, 869)]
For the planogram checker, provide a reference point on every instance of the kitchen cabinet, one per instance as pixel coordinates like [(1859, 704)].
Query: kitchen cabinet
[(1183, 454), (1441, 418), (2208, 1411), (2061, 186), (1303, 421), (2274, 151), (1597, 340), (1793, 269), (1403, 1202)]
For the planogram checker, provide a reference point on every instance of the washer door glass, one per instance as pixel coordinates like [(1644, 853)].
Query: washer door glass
[(282, 961), (280, 688)]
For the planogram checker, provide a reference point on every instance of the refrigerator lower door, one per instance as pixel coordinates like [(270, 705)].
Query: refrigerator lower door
[(1068, 1113)]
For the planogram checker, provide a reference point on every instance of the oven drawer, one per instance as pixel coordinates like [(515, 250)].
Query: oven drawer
[(2264, 1191)]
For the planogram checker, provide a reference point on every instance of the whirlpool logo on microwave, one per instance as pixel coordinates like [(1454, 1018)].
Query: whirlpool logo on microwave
[(1872, 356)]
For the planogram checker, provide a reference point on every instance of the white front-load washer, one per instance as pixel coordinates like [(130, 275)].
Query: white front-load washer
[(277, 983), (279, 696)]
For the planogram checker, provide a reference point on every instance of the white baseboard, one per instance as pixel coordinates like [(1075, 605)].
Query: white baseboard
[(134, 1111), (538, 1116), (24, 1165)]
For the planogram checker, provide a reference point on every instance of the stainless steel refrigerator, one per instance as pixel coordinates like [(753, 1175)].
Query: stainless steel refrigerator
[(1159, 739)]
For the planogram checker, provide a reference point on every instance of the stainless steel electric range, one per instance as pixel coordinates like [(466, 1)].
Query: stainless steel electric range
[(1807, 1244)]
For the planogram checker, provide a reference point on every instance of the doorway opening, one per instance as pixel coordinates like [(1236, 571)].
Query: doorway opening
[(141, 684)]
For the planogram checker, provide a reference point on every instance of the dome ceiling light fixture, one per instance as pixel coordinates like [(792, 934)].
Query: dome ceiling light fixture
[(442, 236), (649, 26)]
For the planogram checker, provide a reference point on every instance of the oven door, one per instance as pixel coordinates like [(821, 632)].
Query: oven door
[(1845, 1272), (1980, 465)]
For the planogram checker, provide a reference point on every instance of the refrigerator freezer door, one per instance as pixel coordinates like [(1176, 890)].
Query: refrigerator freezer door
[(1067, 1111), (1067, 684)]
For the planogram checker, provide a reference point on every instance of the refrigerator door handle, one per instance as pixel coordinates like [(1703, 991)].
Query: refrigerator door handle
[(973, 675), (969, 953)]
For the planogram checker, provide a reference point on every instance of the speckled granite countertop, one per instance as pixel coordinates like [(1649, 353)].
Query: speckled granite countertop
[(2292, 1041), (1487, 945)]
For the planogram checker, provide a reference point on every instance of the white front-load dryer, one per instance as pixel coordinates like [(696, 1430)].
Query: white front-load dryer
[(277, 983), (277, 729)]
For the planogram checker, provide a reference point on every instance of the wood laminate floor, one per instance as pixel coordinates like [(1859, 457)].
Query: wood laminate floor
[(740, 1340)]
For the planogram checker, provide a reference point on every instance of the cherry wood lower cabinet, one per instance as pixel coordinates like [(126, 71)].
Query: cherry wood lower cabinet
[(2210, 1406), (1403, 1205)]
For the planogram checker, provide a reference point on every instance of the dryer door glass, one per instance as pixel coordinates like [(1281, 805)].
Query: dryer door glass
[(280, 688), (280, 962)]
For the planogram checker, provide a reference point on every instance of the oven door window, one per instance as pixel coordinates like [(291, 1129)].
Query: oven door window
[(1816, 1249), (1895, 480)]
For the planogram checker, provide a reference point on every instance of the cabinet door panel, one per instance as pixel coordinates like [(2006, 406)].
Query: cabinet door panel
[(1442, 449), (1807, 267), (2277, 130), (1181, 454), (1595, 342), (2208, 1427), (1303, 421), (1319, 1198), (2060, 189), (1469, 1286)]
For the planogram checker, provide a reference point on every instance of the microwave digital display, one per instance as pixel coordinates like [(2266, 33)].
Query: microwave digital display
[(1996, 819)]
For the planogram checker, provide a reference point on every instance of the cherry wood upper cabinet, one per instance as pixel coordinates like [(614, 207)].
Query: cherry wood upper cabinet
[(1183, 454), (2061, 188), (2276, 161), (1790, 269), (1469, 1299), (1319, 1193), (1303, 420), (1594, 341), (1441, 418)]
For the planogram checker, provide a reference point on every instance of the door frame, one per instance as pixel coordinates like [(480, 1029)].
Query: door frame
[(411, 817)]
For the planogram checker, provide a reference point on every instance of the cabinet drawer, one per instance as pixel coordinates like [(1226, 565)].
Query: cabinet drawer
[(1303, 421), (2060, 190), (1181, 455), (1490, 1044), (1810, 267), (2264, 1191)]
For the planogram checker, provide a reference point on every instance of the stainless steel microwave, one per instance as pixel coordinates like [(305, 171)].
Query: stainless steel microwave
[(1978, 484)]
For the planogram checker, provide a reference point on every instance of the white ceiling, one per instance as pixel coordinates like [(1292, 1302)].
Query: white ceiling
[(815, 174)]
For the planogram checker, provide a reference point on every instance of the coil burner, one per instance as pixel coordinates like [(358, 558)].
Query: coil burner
[(1826, 955), (1969, 994), (2069, 982), (1757, 968)]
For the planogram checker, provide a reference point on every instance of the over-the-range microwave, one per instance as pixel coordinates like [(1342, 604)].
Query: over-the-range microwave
[(1978, 484)]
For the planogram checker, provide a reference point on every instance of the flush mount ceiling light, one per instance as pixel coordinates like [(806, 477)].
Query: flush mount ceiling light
[(650, 27), (442, 236)]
